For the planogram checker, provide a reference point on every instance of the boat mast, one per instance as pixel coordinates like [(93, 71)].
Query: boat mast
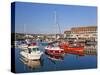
[(24, 30), (56, 22)]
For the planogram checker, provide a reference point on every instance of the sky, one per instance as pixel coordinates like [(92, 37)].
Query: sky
[(37, 18)]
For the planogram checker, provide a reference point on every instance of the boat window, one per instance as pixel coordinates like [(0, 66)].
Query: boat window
[(34, 49), (29, 50), (74, 45), (37, 49)]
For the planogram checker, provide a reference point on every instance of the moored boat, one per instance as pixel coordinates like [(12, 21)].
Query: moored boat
[(54, 51), (72, 49), (33, 53), (23, 46)]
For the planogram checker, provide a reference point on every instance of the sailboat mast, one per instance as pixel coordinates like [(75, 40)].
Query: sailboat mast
[(56, 22), (24, 31)]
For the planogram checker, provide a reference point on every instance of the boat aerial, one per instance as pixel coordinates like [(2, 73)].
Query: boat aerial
[(33, 53), (25, 43)]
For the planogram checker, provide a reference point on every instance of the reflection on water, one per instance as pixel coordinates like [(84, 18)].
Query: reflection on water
[(52, 63), (53, 57), (31, 64)]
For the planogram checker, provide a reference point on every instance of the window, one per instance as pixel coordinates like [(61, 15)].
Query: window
[(29, 50), (34, 49), (94, 34), (37, 49)]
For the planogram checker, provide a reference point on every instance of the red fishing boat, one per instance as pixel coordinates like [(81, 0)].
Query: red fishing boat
[(54, 51), (72, 49)]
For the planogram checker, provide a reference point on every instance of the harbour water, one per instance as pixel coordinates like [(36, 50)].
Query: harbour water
[(69, 62)]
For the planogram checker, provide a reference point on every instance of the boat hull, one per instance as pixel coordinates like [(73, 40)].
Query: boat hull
[(55, 52), (77, 51), (73, 50), (31, 56)]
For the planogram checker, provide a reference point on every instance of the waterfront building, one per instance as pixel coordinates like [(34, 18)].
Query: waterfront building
[(67, 34), (28, 36), (82, 33)]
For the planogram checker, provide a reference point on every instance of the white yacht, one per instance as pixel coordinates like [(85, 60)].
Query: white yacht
[(33, 53)]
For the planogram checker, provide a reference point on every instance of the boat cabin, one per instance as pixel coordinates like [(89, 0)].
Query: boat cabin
[(33, 49)]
